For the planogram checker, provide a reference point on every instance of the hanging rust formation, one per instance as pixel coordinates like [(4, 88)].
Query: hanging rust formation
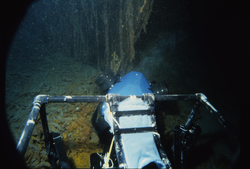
[(99, 33), (124, 20)]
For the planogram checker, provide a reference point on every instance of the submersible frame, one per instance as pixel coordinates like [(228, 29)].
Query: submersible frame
[(40, 101)]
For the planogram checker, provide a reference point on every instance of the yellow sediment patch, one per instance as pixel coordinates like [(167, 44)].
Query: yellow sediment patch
[(80, 158)]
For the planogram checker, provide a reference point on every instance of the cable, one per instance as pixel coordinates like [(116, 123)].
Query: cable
[(113, 117), (111, 145), (115, 120)]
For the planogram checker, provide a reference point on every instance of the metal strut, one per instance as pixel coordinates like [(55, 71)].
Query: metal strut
[(40, 101)]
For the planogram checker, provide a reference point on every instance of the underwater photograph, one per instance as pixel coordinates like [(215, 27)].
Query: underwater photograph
[(121, 84)]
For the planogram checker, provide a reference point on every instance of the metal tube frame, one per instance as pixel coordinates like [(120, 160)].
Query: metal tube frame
[(40, 101)]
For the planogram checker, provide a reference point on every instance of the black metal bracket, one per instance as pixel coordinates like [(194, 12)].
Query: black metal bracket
[(161, 150), (57, 155), (113, 100), (135, 130), (192, 115), (45, 128), (134, 112)]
